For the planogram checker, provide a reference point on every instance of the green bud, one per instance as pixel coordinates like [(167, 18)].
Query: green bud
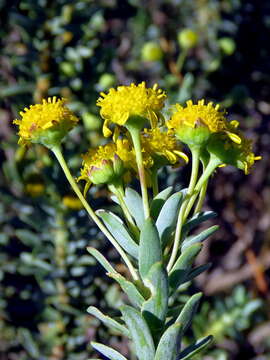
[(197, 136), (187, 39), (102, 174), (227, 45), (151, 51)]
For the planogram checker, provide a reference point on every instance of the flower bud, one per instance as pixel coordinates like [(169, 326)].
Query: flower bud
[(151, 51), (187, 39)]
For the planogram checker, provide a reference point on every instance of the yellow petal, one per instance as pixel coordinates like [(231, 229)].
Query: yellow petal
[(235, 138)]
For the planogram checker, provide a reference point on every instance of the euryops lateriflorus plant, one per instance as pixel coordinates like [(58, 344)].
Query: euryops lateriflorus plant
[(152, 236)]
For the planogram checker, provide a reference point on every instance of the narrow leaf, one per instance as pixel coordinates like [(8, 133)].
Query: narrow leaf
[(149, 248), (109, 322), (198, 271), (199, 238), (117, 228), (107, 351), (135, 205), (159, 201), (193, 349), (168, 216), (169, 345), (186, 315), (101, 259), (129, 288), (154, 310), (198, 219), (181, 268), (140, 333)]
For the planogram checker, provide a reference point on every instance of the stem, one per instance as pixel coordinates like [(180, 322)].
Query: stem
[(135, 135), (181, 60), (58, 153), (201, 198), (193, 178), (130, 222)]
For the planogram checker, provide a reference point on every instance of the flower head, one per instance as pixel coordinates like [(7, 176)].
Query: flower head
[(134, 100), (162, 146), (231, 153), (195, 123), (45, 123)]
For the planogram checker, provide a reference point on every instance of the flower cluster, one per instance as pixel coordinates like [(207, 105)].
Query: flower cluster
[(198, 125)]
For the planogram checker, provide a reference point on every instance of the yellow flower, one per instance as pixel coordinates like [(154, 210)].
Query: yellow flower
[(72, 202), (195, 123), (231, 153), (162, 146), (134, 100), (45, 123)]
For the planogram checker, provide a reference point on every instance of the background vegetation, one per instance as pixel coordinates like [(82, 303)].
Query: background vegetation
[(76, 49)]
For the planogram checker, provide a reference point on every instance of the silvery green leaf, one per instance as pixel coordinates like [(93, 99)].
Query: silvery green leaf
[(135, 205), (129, 288), (140, 333), (193, 349), (168, 216), (154, 309), (198, 219), (107, 351), (109, 322), (169, 344), (199, 237), (159, 201), (117, 228), (101, 259), (186, 315), (149, 248), (180, 271)]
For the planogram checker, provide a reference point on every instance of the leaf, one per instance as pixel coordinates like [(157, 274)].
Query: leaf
[(154, 309), (140, 333), (117, 228), (169, 344), (149, 248), (197, 271), (186, 315), (159, 201), (193, 349), (26, 338), (199, 238), (129, 288), (109, 322), (180, 271), (107, 351), (198, 219), (101, 259), (135, 205), (168, 216)]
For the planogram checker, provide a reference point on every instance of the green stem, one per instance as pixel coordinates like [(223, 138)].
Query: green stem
[(201, 198), (135, 135), (193, 178), (181, 60), (58, 153)]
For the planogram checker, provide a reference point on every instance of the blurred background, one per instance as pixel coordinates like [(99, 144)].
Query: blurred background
[(217, 50)]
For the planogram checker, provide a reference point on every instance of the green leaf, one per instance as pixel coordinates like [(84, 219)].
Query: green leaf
[(149, 248), (159, 201), (154, 309), (186, 315), (199, 238), (193, 349), (107, 351), (129, 288), (109, 322), (101, 259), (26, 338), (117, 228), (180, 271), (198, 219), (135, 205), (140, 333), (169, 345), (168, 216), (197, 271)]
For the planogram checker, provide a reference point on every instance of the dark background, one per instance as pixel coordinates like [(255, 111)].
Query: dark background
[(76, 49)]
